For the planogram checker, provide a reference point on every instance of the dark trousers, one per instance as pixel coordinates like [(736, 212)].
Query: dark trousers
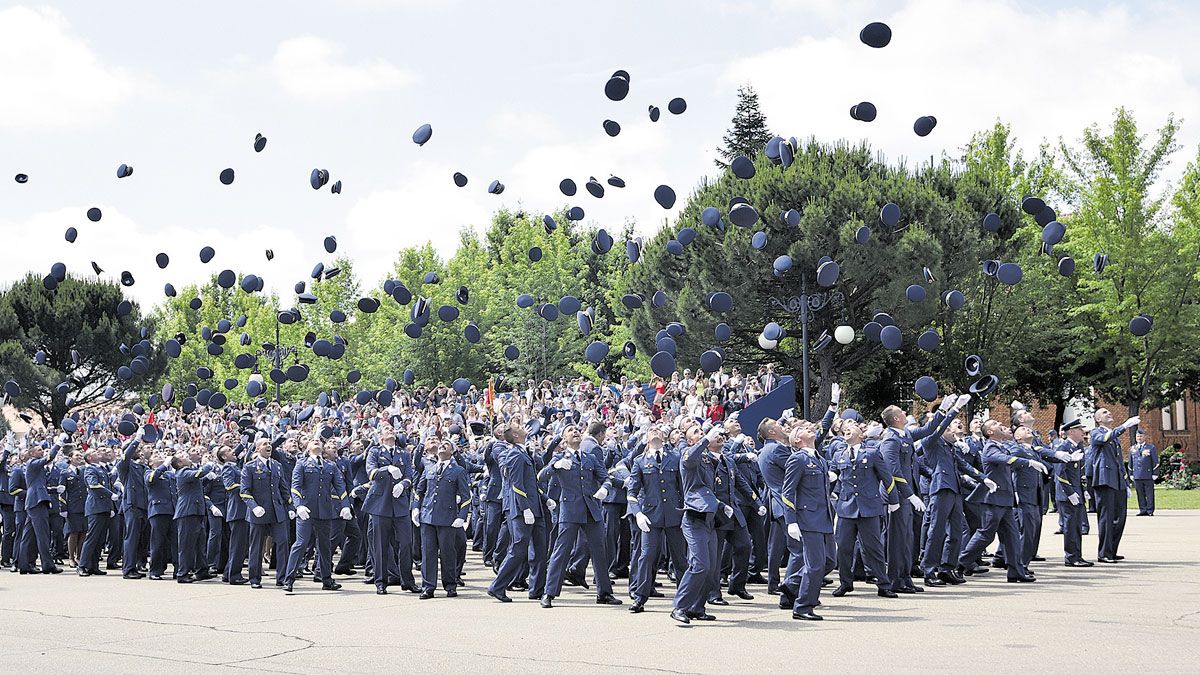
[(594, 532), (527, 551), (116, 538), (189, 529), (900, 545), (391, 549), (995, 519), (36, 538), (616, 539), (58, 544), (736, 540), (1072, 529), (1111, 511), (351, 543), (491, 535), (312, 532), (777, 548), (756, 528), (1145, 494), (1030, 517), (650, 545), (439, 548), (216, 545), (161, 528), (239, 547), (868, 534), (97, 529), (135, 519), (818, 561), (943, 541), (259, 532), (701, 537), (8, 532)]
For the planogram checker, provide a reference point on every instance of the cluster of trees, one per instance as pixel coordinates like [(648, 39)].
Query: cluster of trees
[(1048, 338)]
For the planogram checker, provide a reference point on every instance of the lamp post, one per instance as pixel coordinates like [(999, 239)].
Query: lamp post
[(276, 354), (804, 305)]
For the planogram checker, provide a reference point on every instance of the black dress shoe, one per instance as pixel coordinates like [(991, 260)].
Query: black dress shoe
[(331, 586), (657, 594), (1108, 561), (978, 569), (826, 582), (680, 616), (786, 599), (519, 587), (1076, 563), (287, 587), (278, 584), (133, 575), (237, 581), (426, 594), (807, 616), (638, 606), (931, 580), (756, 579), (570, 580), (906, 590), (701, 616), (83, 572), (369, 580), (609, 600), (97, 571), (886, 593), (155, 577), (535, 596), (1118, 557), (382, 590), (547, 602), (344, 571), (1038, 558), (500, 596), (842, 589), (253, 584), (410, 589), (185, 579), (1023, 579), (743, 595), (720, 602), (451, 593), (203, 576)]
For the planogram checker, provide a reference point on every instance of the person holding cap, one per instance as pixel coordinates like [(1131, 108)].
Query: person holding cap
[(1109, 476), (526, 520), (1143, 468), (655, 496)]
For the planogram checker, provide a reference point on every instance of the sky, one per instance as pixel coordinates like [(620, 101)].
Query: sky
[(514, 92)]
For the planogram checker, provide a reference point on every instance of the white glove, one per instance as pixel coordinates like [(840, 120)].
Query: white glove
[(892, 508), (714, 432), (395, 471), (458, 522), (794, 531), (835, 394), (947, 403), (963, 400), (1131, 422), (303, 512), (116, 497), (1074, 499), (346, 515), (551, 504), (110, 514), (990, 484), (215, 511), (728, 511), (63, 514), (752, 456), (119, 485), (60, 489), (291, 515), (917, 503), (1077, 456), (1062, 456), (258, 511), (832, 476), (601, 493), (528, 516), (397, 489), (1152, 477), (416, 517), (1037, 466), (564, 464), (762, 510), (643, 521)]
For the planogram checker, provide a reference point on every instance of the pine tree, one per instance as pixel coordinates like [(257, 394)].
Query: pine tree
[(749, 133)]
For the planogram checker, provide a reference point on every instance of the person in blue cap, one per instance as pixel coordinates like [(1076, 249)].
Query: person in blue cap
[(1109, 477), (700, 508), (390, 470), (1143, 468), (443, 500), (1068, 493), (264, 489), (99, 509)]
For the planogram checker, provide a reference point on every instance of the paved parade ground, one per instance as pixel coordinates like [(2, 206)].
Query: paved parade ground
[(1142, 614)]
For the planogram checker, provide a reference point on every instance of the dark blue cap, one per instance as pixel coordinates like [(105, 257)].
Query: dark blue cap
[(662, 364), (665, 196), (676, 106), (226, 176), (611, 128), (891, 338), (742, 167), (924, 125), (93, 214), (422, 135), (926, 387), (876, 34)]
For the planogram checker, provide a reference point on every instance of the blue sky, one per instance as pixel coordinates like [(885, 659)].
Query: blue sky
[(514, 92)]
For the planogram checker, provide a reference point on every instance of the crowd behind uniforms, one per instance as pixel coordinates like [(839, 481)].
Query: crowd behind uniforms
[(552, 480)]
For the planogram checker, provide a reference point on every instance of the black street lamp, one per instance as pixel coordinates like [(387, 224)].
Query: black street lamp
[(804, 305), (275, 354)]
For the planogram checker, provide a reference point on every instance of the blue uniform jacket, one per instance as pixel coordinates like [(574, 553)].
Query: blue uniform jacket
[(132, 475), (492, 454), (896, 446), (699, 477), (1143, 461), (100, 490), (657, 490), (318, 485), (806, 492), (772, 462), (35, 479), (190, 499), (235, 506), (998, 462), (865, 484), (1108, 461), (160, 490), (264, 484), (77, 491), (521, 490), (945, 464), (444, 495), (1068, 476), (576, 486), (379, 500)]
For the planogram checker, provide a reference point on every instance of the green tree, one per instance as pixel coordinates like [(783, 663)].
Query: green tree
[(1122, 210), (748, 133), (80, 317)]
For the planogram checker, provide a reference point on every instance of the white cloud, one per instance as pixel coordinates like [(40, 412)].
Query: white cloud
[(312, 68), (51, 78), (1049, 73)]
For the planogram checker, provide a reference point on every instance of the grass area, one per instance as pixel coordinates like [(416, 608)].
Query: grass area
[(1168, 499)]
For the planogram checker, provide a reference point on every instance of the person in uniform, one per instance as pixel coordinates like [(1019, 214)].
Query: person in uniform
[(1143, 468), (1110, 480), (99, 509), (264, 490), (236, 516), (655, 496), (160, 492), (772, 462), (1068, 493), (864, 491), (319, 496), (135, 501), (527, 528), (700, 508), (35, 539), (74, 503), (191, 507), (733, 534), (809, 516), (390, 470), (443, 499)]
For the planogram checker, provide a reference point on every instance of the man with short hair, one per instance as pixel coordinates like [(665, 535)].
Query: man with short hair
[(1109, 476), (99, 509), (1068, 493), (319, 495), (1143, 468)]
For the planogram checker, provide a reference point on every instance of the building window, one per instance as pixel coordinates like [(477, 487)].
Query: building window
[(1174, 417)]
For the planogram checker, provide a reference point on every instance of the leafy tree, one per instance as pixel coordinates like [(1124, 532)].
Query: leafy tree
[(79, 316), (749, 133), (1122, 210)]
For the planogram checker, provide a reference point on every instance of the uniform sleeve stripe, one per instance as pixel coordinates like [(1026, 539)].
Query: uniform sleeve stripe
[(898, 479), (788, 503), (890, 486), (1011, 460), (518, 491)]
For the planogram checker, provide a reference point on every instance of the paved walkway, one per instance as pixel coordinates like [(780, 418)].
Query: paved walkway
[(1143, 614)]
